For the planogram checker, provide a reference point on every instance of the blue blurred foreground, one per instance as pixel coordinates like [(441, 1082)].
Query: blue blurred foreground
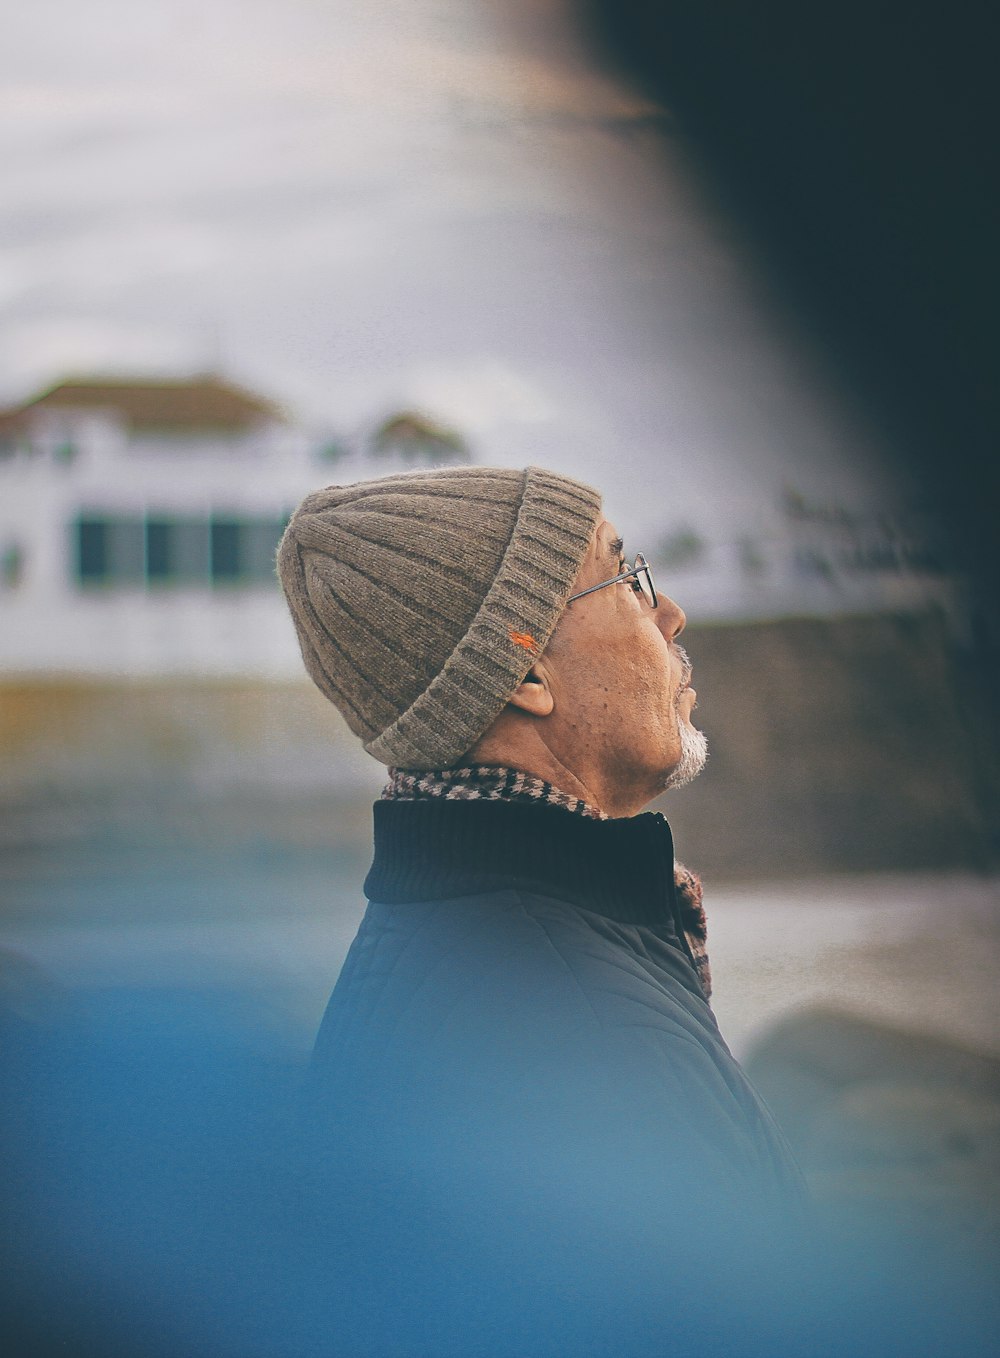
[(171, 1191)]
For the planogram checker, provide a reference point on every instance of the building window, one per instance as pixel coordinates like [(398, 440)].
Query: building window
[(227, 555), (91, 551), (159, 556), (190, 551), (177, 551), (11, 566), (260, 542), (164, 552), (110, 551), (243, 549)]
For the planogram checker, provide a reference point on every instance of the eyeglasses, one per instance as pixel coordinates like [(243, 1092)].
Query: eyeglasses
[(639, 574)]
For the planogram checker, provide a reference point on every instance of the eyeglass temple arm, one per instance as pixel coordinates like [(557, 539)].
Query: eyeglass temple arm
[(604, 583)]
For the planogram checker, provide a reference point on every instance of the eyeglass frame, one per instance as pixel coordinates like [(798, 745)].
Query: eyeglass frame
[(639, 567)]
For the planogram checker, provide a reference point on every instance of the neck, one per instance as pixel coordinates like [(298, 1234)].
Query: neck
[(527, 752)]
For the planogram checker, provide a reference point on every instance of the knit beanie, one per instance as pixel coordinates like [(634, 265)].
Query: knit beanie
[(421, 600)]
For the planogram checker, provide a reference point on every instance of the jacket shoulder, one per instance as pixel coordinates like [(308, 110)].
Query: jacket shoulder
[(504, 961)]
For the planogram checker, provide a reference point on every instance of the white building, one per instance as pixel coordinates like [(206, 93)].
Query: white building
[(138, 522)]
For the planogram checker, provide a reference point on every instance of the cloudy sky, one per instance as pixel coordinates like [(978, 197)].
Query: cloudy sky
[(355, 206)]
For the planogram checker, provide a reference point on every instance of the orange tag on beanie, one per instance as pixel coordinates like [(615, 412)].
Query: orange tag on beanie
[(524, 639)]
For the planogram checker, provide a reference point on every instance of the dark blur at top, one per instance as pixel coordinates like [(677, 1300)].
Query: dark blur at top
[(852, 141)]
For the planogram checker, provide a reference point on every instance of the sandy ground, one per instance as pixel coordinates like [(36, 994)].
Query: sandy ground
[(920, 952)]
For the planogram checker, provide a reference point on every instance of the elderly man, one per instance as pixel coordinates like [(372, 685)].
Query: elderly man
[(533, 1134)]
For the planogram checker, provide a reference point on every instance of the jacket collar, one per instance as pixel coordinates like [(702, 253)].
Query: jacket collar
[(434, 849)]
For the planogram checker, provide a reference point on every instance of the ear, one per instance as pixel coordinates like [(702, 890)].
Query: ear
[(533, 695)]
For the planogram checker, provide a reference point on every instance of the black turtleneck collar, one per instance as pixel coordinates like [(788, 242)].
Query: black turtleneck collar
[(435, 848)]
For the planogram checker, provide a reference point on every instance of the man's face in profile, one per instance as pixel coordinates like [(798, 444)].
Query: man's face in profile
[(622, 681)]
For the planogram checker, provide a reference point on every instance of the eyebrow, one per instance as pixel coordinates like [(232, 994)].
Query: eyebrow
[(616, 546)]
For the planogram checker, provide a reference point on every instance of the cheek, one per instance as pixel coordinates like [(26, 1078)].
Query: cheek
[(655, 697), (650, 666), (622, 667)]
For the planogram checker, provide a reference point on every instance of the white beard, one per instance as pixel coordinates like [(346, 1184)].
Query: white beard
[(694, 753)]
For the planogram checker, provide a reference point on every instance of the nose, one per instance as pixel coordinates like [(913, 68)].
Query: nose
[(670, 617)]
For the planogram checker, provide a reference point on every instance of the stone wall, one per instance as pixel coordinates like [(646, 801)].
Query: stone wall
[(855, 743)]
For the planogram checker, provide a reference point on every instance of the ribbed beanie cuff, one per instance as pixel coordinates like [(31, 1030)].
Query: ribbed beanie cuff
[(483, 652)]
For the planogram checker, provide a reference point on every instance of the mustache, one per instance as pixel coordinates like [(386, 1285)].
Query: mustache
[(687, 670)]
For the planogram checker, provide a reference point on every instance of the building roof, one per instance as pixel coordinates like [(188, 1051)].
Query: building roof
[(418, 437), (196, 405)]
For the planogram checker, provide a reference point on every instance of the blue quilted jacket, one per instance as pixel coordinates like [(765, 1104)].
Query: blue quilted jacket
[(535, 1138)]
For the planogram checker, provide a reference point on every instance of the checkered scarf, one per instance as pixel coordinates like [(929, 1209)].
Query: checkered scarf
[(488, 783)]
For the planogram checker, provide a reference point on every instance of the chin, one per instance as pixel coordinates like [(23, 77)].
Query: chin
[(694, 753)]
